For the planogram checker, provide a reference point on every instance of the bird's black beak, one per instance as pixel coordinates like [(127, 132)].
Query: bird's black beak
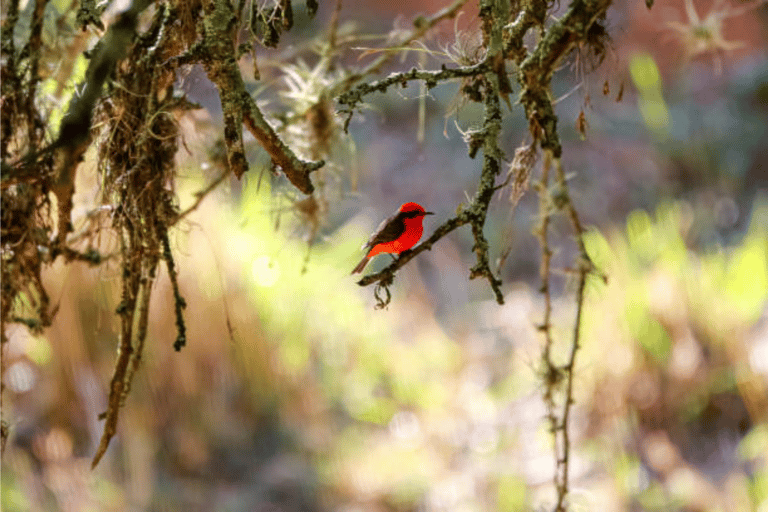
[(428, 213)]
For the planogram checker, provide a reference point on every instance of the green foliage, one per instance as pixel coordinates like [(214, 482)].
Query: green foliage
[(758, 488), (645, 74), (655, 277), (668, 331), (511, 495), (12, 499)]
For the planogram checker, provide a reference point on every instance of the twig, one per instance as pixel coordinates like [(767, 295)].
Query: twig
[(131, 274), (200, 195), (334, 26), (216, 52), (430, 78), (421, 26), (178, 301)]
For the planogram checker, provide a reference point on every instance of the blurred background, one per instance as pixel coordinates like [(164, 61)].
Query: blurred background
[(295, 394)]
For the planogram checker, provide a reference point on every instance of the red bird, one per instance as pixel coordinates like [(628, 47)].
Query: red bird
[(396, 234)]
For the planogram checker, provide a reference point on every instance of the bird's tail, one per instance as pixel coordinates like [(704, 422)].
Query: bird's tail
[(360, 266)]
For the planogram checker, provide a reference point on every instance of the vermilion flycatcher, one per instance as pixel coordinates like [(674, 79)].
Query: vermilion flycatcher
[(396, 234)]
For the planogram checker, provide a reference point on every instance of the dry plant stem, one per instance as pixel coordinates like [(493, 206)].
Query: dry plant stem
[(216, 52), (138, 276), (545, 215), (199, 196), (74, 133), (178, 301), (536, 69), (554, 375), (551, 373), (569, 370)]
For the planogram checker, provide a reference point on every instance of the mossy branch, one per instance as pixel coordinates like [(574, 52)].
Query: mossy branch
[(537, 68), (89, 13), (431, 79), (576, 27), (217, 53)]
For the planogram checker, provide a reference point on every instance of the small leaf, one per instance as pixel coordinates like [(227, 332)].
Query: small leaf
[(582, 125)]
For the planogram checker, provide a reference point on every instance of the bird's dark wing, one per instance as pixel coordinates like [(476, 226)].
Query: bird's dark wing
[(390, 229)]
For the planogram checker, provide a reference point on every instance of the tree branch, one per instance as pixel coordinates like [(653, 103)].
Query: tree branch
[(74, 132), (576, 27), (421, 26), (537, 68), (216, 52), (431, 78)]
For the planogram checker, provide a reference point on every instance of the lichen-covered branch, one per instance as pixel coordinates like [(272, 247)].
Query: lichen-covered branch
[(354, 96), (577, 26), (89, 13), (296, 170), (216, 52), (537, 68), (74, 133)]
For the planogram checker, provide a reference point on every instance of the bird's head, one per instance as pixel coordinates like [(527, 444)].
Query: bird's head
[(413, 210)]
